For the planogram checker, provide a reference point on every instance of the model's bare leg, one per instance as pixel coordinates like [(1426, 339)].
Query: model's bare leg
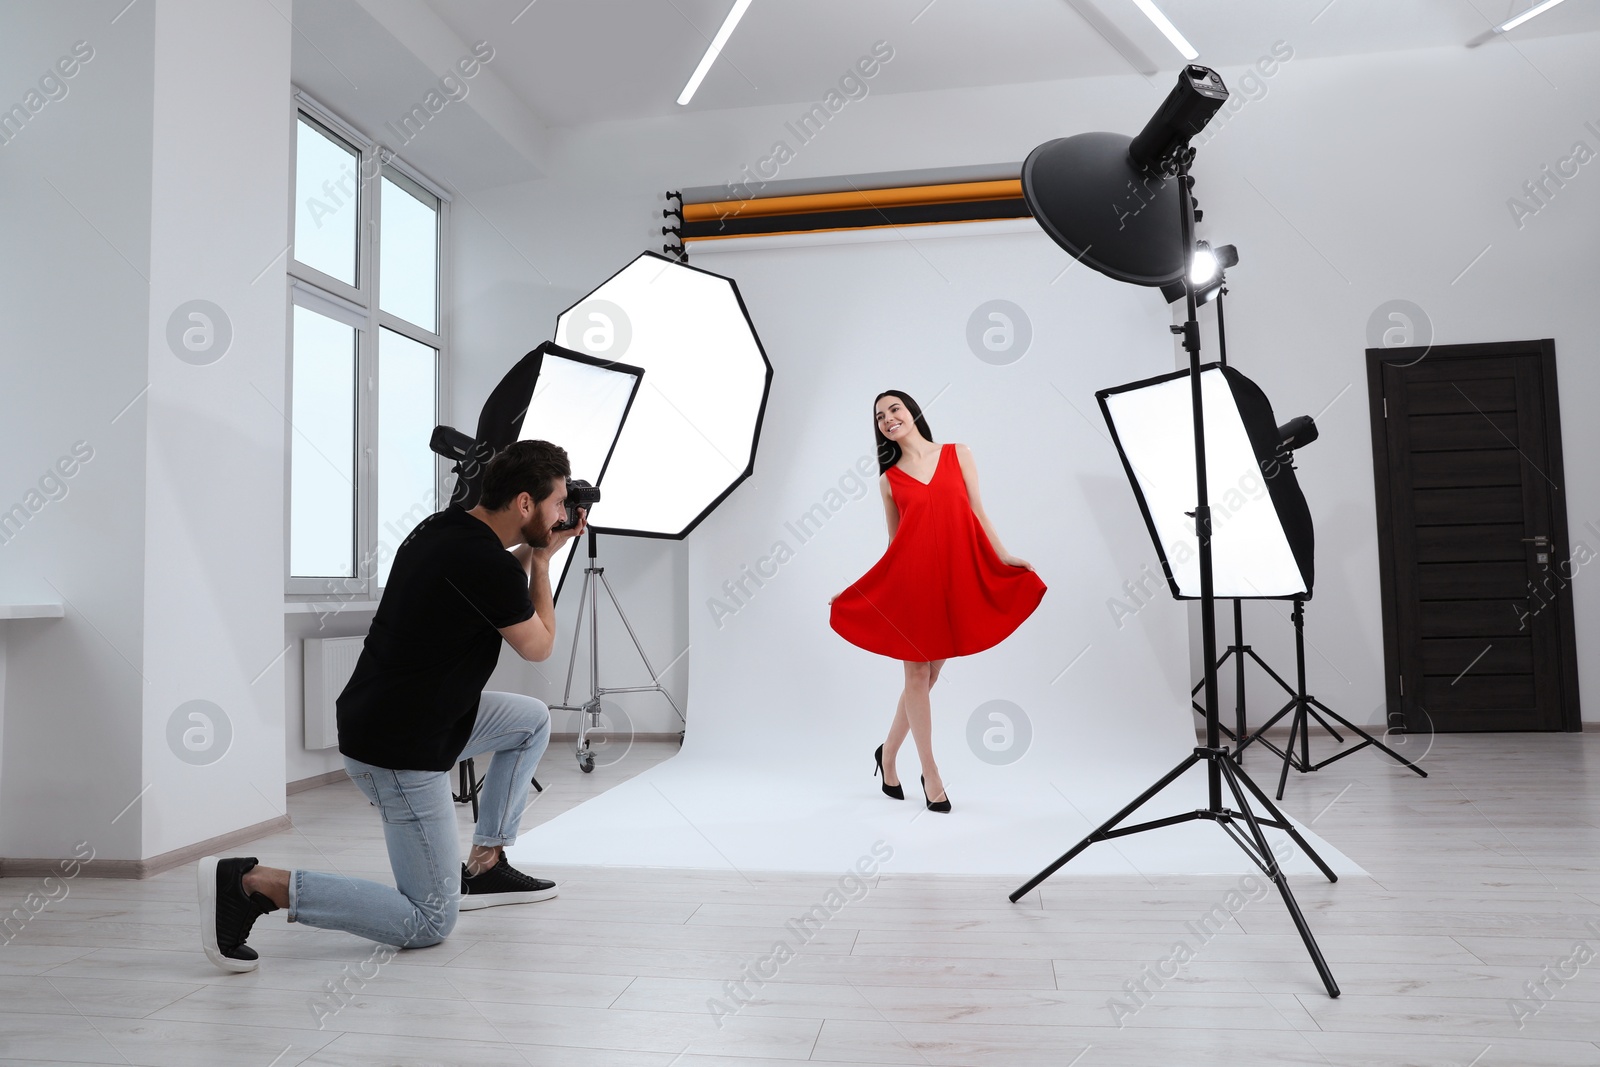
[(919, 716), (900, 727)]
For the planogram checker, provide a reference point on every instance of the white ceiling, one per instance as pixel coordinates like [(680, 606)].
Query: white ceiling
[(580, 61)]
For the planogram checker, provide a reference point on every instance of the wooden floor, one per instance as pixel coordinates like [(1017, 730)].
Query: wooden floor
[(1483, 878)]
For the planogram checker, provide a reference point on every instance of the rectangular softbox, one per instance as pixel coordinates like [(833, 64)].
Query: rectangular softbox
[(1261, 543)]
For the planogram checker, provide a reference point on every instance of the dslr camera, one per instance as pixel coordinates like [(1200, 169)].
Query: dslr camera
[(580, 494)]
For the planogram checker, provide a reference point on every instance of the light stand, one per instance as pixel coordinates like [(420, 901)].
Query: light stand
[(1302, 704), (1220, 766), (1238, 650), (594, 577)]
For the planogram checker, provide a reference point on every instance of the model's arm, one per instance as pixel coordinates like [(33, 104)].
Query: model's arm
[(891, 513), (969, 471)]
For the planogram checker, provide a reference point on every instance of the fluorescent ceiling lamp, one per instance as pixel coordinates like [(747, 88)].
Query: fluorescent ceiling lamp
[(691, 436), (715, 49), (1537, 9), (1170, 31), (1261, 534)]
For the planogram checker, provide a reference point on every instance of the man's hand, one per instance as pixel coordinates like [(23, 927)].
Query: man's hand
[(559, 538)]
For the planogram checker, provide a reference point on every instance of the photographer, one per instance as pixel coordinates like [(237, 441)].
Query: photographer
[(415, 707)]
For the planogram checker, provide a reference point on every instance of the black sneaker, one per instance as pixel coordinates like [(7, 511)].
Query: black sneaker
[(227, 912), (502, 884)]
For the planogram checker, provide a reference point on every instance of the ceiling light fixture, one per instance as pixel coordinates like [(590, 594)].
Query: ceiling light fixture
[(1537, 9), (1170, 31), (715, 49), (1512, 23)]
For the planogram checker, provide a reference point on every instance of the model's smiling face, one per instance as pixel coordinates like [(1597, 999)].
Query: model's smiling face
[(894, 421)]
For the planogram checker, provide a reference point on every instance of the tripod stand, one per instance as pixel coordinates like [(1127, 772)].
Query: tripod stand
[(589, 717), (1238, 651), (1304, 705), (1220, 766)]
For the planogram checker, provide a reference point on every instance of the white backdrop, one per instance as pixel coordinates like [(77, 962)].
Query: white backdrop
[(784, 714)]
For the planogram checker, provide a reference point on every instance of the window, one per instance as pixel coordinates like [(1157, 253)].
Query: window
[(367, 354)]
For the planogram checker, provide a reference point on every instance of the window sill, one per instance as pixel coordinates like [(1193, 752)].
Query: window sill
[(32, 611), (327, 607)]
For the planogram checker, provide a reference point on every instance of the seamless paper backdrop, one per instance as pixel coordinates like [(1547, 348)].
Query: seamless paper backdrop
[(784, 714)]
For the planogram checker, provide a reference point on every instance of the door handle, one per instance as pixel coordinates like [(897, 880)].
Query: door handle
[(1542, 541)]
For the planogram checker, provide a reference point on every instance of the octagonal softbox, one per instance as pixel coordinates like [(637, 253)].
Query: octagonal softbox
[(691, 433)]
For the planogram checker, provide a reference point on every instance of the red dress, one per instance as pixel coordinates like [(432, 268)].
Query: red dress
[(940, 589)]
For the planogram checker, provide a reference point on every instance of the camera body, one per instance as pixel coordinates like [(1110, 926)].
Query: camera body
[(580, 494)]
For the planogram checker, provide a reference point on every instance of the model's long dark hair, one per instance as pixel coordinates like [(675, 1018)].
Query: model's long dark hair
[(888, 451)]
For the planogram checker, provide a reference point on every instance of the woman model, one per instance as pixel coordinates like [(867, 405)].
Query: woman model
[(945, 586)]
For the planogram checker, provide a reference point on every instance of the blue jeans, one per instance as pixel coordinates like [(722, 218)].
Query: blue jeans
[(419, 825)]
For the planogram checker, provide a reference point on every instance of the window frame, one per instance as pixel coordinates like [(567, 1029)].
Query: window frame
[(357, 306)]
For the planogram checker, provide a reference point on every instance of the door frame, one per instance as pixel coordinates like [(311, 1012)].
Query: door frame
[(1398, 706)]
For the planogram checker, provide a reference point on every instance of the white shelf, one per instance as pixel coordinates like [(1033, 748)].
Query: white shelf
[(31, 611)]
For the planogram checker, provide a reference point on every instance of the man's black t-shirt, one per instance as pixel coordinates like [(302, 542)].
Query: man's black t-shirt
[(412, 701)]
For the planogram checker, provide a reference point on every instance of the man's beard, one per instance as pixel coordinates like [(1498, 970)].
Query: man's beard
[(536, 533)]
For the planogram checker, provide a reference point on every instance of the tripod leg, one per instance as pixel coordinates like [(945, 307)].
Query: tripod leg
[(1312, 710), (1239, 727), (577, 628), (1353, 728), (1274, 675), (1269, 724), (647, 664), (1099, 832), (1275, 872), (1288, 827), (1288, 751)]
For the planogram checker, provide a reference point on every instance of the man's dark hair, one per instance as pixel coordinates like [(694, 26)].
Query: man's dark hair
[(524, 467)]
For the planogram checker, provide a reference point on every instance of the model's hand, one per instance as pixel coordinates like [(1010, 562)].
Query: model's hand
[(1014, 561)]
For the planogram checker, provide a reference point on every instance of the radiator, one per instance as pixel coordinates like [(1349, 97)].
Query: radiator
[(329, 662)]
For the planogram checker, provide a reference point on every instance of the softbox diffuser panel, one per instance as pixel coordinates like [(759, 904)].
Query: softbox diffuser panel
[(1262, 541), (691, 436), (580, 403)]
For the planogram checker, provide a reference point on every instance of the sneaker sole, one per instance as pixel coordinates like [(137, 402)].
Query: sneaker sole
[(490, 900), (207, 885)]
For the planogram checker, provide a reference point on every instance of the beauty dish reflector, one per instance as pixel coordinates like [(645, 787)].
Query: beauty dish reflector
[(1262, 538), (1103, 197), (691, 436)]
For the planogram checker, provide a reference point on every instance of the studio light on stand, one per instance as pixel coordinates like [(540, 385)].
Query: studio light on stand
[(1208, 277), (1295, 434), (1172, 448), (690, 438)]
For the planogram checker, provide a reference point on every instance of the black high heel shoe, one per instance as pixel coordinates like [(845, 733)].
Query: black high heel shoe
[(935, 805), (894, 791)]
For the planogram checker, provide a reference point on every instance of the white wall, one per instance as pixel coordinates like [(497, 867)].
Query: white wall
[(74, 301), (1344, 182), (160, 178), (217, 432)]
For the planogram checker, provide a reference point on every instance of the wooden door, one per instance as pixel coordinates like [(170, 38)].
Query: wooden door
[(1475, 564)]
